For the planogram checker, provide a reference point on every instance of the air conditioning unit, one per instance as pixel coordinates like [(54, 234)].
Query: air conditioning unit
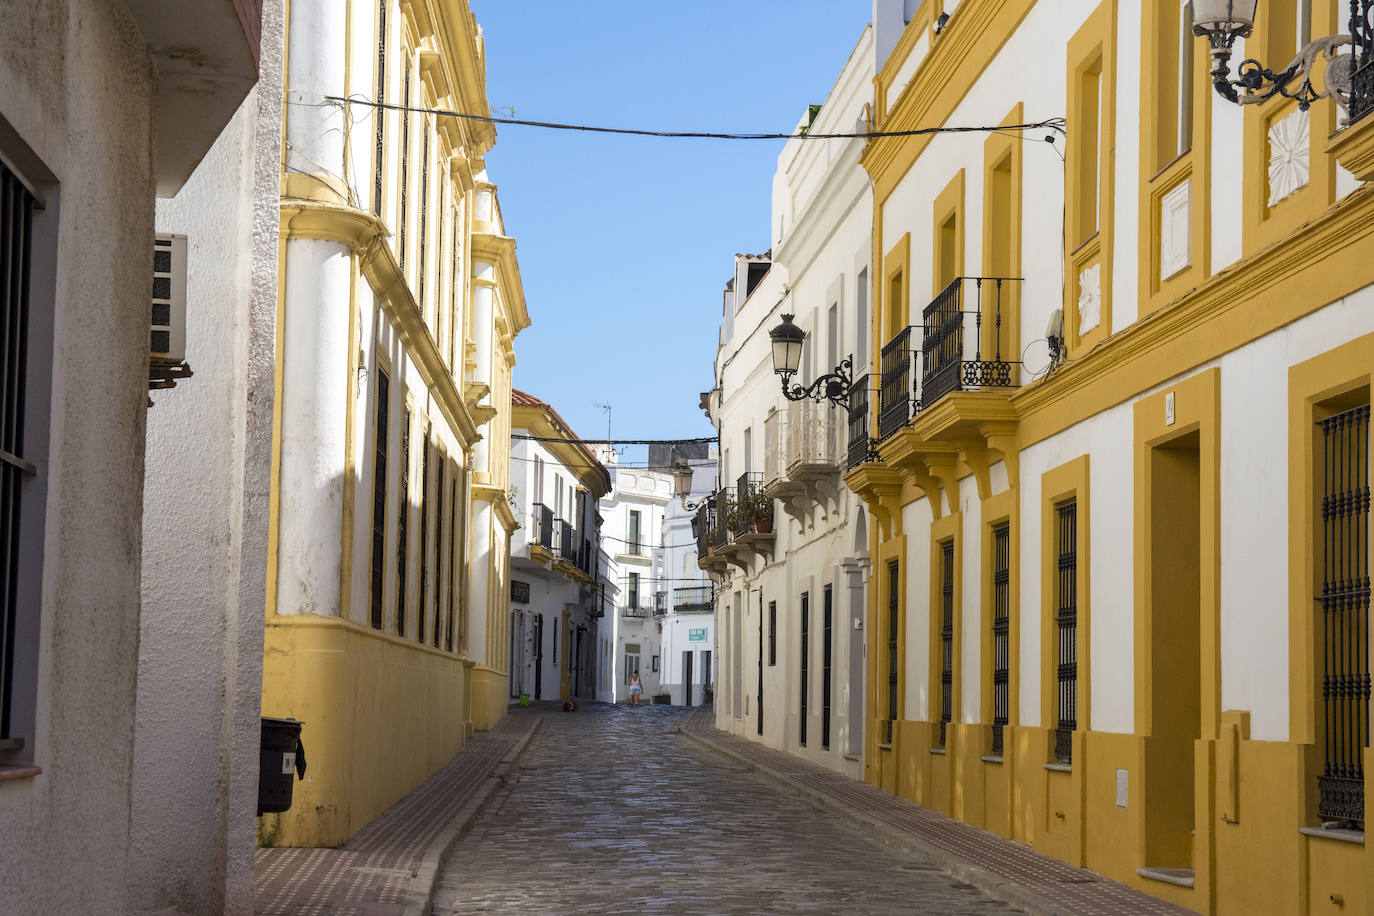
[(167, 340)]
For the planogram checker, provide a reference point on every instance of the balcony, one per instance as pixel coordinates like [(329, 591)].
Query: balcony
[(802, 467), (541, 533), (694, 599), (860, 450), (956, 412), (571, 552)]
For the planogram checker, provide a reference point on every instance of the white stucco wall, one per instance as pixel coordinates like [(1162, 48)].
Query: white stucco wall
[(205, 530)]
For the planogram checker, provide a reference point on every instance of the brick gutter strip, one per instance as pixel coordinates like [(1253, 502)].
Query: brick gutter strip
[(420, 896)]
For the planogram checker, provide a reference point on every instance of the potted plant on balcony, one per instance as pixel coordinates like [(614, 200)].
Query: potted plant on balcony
[(759, 508)]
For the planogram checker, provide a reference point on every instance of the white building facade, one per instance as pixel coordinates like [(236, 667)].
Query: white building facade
[(636, 598), (688, 650), (555, 596), (785, 539)]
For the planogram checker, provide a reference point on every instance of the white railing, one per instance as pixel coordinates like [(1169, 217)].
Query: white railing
[(814, 433), (774, 447)]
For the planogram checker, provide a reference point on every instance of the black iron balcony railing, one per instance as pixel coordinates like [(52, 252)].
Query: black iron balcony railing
[(587, 557), (949, 321), (751, 503), (565, 537), (702, 523), (1362, 59), (860, 448), (896, 395), (694, 599), (542, 529)]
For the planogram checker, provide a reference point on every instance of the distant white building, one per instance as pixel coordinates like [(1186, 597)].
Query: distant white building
[(689, 627), (636, 599), (783, 537), (555, 595)]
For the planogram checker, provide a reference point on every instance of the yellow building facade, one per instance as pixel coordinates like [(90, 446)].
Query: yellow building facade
[(398, 305), (1118, 451)]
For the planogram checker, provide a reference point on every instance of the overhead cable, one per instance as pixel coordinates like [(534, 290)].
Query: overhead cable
[(1054, 124)]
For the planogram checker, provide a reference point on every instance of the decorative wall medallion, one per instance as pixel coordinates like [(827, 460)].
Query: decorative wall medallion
[(1175, 230), (1289, 149), (1089, 299)]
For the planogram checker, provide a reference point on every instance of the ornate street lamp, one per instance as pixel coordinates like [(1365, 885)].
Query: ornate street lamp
[(787, 347), (1348, 80), (682, 488)]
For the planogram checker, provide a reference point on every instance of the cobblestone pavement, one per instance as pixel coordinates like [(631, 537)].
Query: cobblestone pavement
[(609, 811)]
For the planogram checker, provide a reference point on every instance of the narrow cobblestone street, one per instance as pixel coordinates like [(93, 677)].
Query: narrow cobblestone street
[(609, 810)]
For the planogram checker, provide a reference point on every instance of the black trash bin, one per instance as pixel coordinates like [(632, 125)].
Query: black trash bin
[(280, 762)]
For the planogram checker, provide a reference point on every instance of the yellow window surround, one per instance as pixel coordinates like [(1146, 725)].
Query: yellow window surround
[(1088, 188), (1175, 154), (1289, 178), (1058, 486), (997, 511), (1002, 239), (945, 532), (947, 233)]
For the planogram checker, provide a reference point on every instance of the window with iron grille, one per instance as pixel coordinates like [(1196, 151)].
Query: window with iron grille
[(403, 526), (893, 609), (827, 635), (424, 213), (772, 633), (379, 114), (422, 614), (443, 569), (454, 577), (1066, 626), (1343, 599), (17, 205), (946, 639), (1001, 624), (405, 161), (805, 664), (379, 474)]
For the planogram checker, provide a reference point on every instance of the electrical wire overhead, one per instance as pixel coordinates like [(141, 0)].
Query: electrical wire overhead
[(1053, 124)]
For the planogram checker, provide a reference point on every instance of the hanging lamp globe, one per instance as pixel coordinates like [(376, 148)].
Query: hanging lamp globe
[(1224, 19), (787, 347)]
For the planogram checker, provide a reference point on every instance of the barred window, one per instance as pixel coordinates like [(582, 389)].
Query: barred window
[(454, 581), (946, 639), (826, 660), (17, 205), (772, 633), (1342, 566), (405, 161), (893, 609), (379, 477), (805, 663), (1066, 625), (1001, 621), (422, 614), (403, 526), (379, 114), (424, 212)]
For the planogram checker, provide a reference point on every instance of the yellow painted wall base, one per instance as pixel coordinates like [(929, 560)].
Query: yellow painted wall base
[(381, 715), (1250, 801), (490, 697)]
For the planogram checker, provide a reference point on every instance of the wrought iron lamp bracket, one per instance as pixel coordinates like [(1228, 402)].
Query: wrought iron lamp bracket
[(833, 386), (1255, 83)]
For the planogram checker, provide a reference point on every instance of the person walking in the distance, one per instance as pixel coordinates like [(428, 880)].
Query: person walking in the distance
[(636, 688)]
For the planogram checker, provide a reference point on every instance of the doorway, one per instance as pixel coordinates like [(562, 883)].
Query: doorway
[(539, 656), (1175, 670), (687, 678)]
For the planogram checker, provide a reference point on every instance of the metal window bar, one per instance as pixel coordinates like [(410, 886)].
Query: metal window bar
[(945, 366), (827, 652), (689, 599), (748, 494), (805, 667), (1344, 601), (564, 533), (379, 478), (405, 163), (454, 580), (424, 215), (1001, 622), (1066, 623), (379, 114), (543, 526), (860, 446), (422, 606), (16, 231), (403, 526), (946, 638), (772, 633), (1362, 59), (896, 401), (893, 609)]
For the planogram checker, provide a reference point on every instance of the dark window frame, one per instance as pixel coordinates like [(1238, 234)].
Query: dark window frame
[(1001, 633), (1066, 627)]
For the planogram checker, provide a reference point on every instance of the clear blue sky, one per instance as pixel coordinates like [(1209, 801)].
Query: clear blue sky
[(625, 243)]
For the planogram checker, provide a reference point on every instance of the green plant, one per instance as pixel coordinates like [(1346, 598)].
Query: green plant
[(756, 505)]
